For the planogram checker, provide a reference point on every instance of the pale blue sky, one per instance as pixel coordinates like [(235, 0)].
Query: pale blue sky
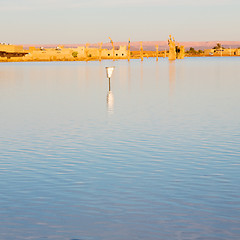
[(78, 21)]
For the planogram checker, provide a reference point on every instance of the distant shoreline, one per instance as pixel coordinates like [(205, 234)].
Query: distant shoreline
[(116, 51), (103, 59)]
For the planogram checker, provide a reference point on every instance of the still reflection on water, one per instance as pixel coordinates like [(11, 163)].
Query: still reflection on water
[(157, 157), (110, 101)]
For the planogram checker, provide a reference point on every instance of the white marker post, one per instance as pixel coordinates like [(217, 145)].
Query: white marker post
[(109, 71)]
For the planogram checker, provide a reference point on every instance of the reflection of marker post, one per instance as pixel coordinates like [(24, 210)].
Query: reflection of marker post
[(109, 71), (110, 102)]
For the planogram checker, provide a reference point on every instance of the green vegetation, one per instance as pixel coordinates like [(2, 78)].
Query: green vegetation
[(177, 49), (192, 51), (74, 54), (218, 46)]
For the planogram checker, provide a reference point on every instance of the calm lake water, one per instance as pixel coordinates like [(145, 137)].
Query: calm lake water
[(158, 157)]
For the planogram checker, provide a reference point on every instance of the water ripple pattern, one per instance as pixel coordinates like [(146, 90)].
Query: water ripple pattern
[(157, 158)]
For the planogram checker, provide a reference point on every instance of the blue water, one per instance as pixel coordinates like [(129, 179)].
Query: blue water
[(158, 157)]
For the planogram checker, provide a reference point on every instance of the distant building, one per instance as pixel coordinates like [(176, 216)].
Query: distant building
[(60, 53), (222, 52), (105, 53), (8, 50), (49, 54), (237, 52)]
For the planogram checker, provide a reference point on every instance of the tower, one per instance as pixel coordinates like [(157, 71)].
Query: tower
[(172, 48)]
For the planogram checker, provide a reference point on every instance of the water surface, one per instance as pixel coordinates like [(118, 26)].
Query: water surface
[(158, 157)]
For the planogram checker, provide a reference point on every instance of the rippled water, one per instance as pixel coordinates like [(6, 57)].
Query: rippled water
[(158, 157)]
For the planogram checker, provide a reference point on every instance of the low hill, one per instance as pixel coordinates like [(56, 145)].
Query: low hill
[(150, 45)]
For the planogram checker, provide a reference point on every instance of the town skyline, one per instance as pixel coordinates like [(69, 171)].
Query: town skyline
[(148, 45)]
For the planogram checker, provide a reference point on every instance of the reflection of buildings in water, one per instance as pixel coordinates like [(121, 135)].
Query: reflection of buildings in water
[(172, 77), (10, 77), (129, 75), (110, 102), (86, 71), (157, 71), (141, 73)]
